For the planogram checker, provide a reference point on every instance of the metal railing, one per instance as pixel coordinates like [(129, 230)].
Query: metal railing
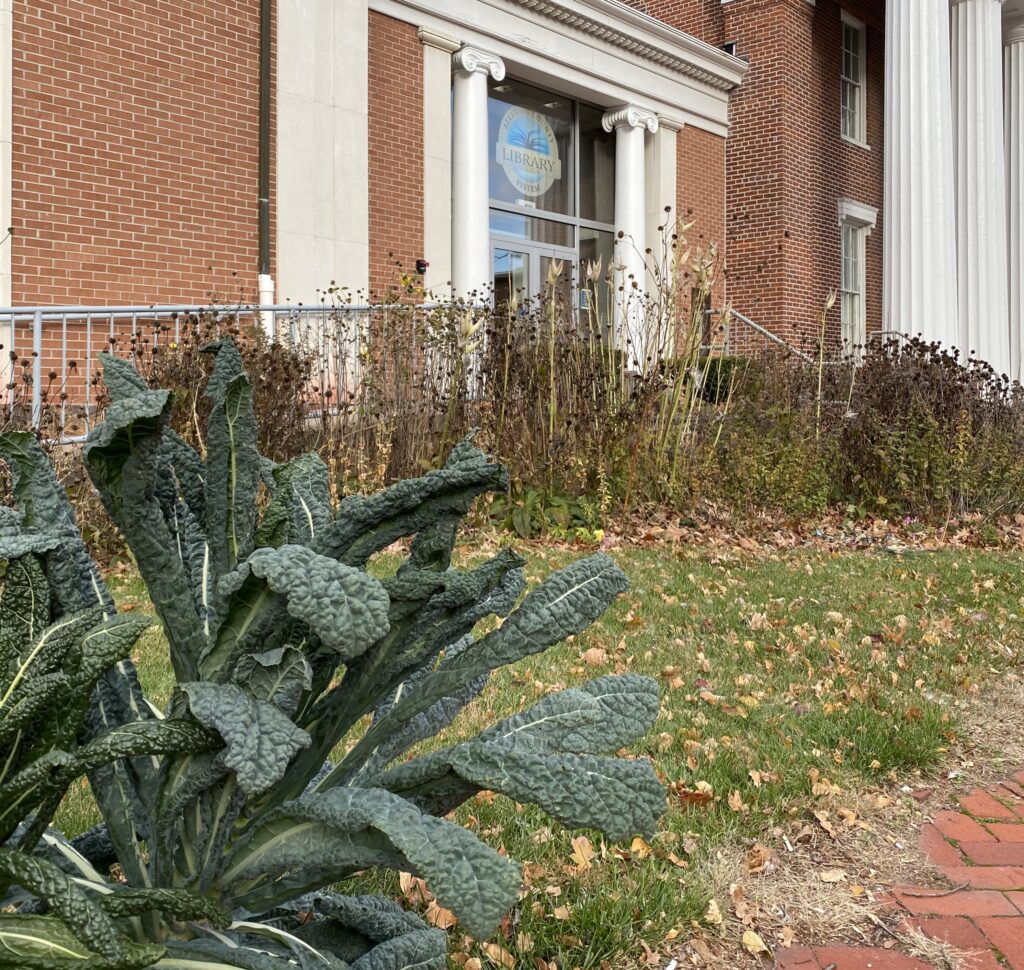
[(49, 355), (737, 343)]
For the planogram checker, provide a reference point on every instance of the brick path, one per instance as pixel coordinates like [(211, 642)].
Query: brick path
[(980, 849)]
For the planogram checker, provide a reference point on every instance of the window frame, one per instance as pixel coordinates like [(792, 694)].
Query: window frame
[(858, 220), (859, 135), (577, 223)]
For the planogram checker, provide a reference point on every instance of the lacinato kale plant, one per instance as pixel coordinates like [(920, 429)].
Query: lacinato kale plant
[(283, 646)]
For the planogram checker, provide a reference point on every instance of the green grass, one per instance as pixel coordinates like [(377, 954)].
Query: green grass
[(774, 670)]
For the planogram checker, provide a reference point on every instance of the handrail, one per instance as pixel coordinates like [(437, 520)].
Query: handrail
[(764, 332), (163, 308)]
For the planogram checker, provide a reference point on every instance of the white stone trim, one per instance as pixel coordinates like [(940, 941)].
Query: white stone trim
[(661, 159), (437, 161), (596, 50), (665, 46), (323, 165), (857, 214)]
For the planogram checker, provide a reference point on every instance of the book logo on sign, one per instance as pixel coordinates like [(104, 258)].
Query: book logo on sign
[(528, 151)]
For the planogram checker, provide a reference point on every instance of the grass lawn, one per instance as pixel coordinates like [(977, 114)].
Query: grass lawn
[(783, 675)]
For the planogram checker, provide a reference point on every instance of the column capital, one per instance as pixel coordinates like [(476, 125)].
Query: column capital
[(1014, 32), (956, 3), (629, 116), (472, 60)]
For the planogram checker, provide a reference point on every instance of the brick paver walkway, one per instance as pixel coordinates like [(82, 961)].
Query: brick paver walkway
[(980, 849)]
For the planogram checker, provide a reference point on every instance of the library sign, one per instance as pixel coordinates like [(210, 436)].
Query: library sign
[(527, 151)]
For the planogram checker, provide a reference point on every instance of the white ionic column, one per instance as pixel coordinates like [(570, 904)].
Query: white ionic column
[(1014, 98), (471, 263), (629, 123), (980, 162), (437, 161), (920, 215)]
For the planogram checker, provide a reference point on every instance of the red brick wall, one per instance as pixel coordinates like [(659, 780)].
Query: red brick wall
[(702, 18), (396, 151), (135, 150), (789, 166), (700, 189)]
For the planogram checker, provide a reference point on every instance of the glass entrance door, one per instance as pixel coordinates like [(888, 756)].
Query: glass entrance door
[(524, 271)]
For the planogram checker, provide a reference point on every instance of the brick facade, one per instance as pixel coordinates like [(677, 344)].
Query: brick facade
[(789, 165), (396, 151), (701, 194), (134, 151)]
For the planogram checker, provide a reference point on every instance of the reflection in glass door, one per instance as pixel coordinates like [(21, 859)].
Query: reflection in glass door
[(556, 280), (525, 273), (511, 276)]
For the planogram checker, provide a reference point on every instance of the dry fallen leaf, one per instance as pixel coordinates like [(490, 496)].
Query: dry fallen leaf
[(595, 657), (443, 919), (639, 849), (753, 943), (562, 913), (824, 822), (498, 955), (832, 875), (758, 857), (582, 853), (713, 914)]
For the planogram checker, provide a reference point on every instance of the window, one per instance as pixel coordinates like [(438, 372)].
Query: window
[(852, 288), (852, 101), (552, 188), (855, 224)]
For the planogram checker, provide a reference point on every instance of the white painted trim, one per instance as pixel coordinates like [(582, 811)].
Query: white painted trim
[(661, 193), (857, 214), (849, 18), (640, 33), (437, 161), (322, 148), (557, 44)]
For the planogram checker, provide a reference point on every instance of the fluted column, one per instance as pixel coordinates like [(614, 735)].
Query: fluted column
[(629, 123), (980, 165), (471, 263), (1014, 108), (920, 223)]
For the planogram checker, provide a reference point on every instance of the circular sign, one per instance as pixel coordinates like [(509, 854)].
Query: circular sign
[(528, 151)]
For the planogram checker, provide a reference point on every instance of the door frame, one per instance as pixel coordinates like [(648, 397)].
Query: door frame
[(534, 252)]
